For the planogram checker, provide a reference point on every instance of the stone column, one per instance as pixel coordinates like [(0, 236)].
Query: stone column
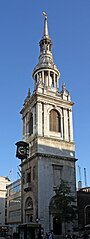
[(46, 79), (54, 80), (49, 84), (43, 76), (35, 81)]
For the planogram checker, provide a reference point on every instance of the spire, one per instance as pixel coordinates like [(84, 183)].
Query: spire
[(45, 25), (46, 66)]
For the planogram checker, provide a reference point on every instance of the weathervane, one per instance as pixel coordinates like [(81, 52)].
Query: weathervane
[(45, 14)]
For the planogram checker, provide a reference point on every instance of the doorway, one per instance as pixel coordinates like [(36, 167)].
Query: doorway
[(57, 226)]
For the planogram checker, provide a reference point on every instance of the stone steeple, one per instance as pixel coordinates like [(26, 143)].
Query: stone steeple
[(48, 129), (46, 71)]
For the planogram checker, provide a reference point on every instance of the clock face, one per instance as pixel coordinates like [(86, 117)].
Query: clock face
[(21, 150)]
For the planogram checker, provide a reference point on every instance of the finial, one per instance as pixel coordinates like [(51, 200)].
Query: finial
[(28, 92), (45, 25), (63, 86)]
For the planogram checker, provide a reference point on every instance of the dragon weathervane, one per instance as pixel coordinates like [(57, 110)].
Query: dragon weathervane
[(45, 14)]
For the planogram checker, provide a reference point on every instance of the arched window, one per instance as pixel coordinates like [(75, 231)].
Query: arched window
[(29, 203), (29, 210), (55, 121), (31, 124)]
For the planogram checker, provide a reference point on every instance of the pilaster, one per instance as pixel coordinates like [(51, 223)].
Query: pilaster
[(46, 121), (34, 120), (65, 125), (71, 126), (43, 76), (39, 118)]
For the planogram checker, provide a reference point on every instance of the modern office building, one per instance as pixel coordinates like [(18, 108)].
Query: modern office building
[(14, 203), (4, 182)]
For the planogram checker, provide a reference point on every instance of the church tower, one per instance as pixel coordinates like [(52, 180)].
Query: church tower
[(48, 129)]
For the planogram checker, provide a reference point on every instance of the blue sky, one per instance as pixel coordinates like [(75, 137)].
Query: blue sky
[(21, 28)]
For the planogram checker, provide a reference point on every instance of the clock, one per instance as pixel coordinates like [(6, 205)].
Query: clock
[(22, 150)]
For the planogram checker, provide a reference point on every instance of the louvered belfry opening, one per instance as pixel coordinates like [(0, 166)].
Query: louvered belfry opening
[(55, 121), (31, 124)]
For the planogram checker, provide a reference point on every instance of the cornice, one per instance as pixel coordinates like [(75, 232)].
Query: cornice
[(43, 155)]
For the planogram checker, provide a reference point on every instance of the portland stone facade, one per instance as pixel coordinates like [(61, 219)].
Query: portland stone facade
[(48, 129)]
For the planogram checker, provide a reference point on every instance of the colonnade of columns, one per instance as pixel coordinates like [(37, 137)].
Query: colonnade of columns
[(47, 77)]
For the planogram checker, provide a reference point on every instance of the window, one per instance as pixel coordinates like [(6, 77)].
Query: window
[(36, 78), (14, 214), (29, 203), (23, 125), (15, 189), (29, 176), (57, 175), (31, 124), (46, 77), (52, 82), (55, 80), (23, 178), (52, 78), (29, 210), (55, 121), (26, 123), (14, 202), (49, 47)]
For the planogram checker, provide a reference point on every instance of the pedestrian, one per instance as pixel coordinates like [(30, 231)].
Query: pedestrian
[(50, 235), (46, 236)]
